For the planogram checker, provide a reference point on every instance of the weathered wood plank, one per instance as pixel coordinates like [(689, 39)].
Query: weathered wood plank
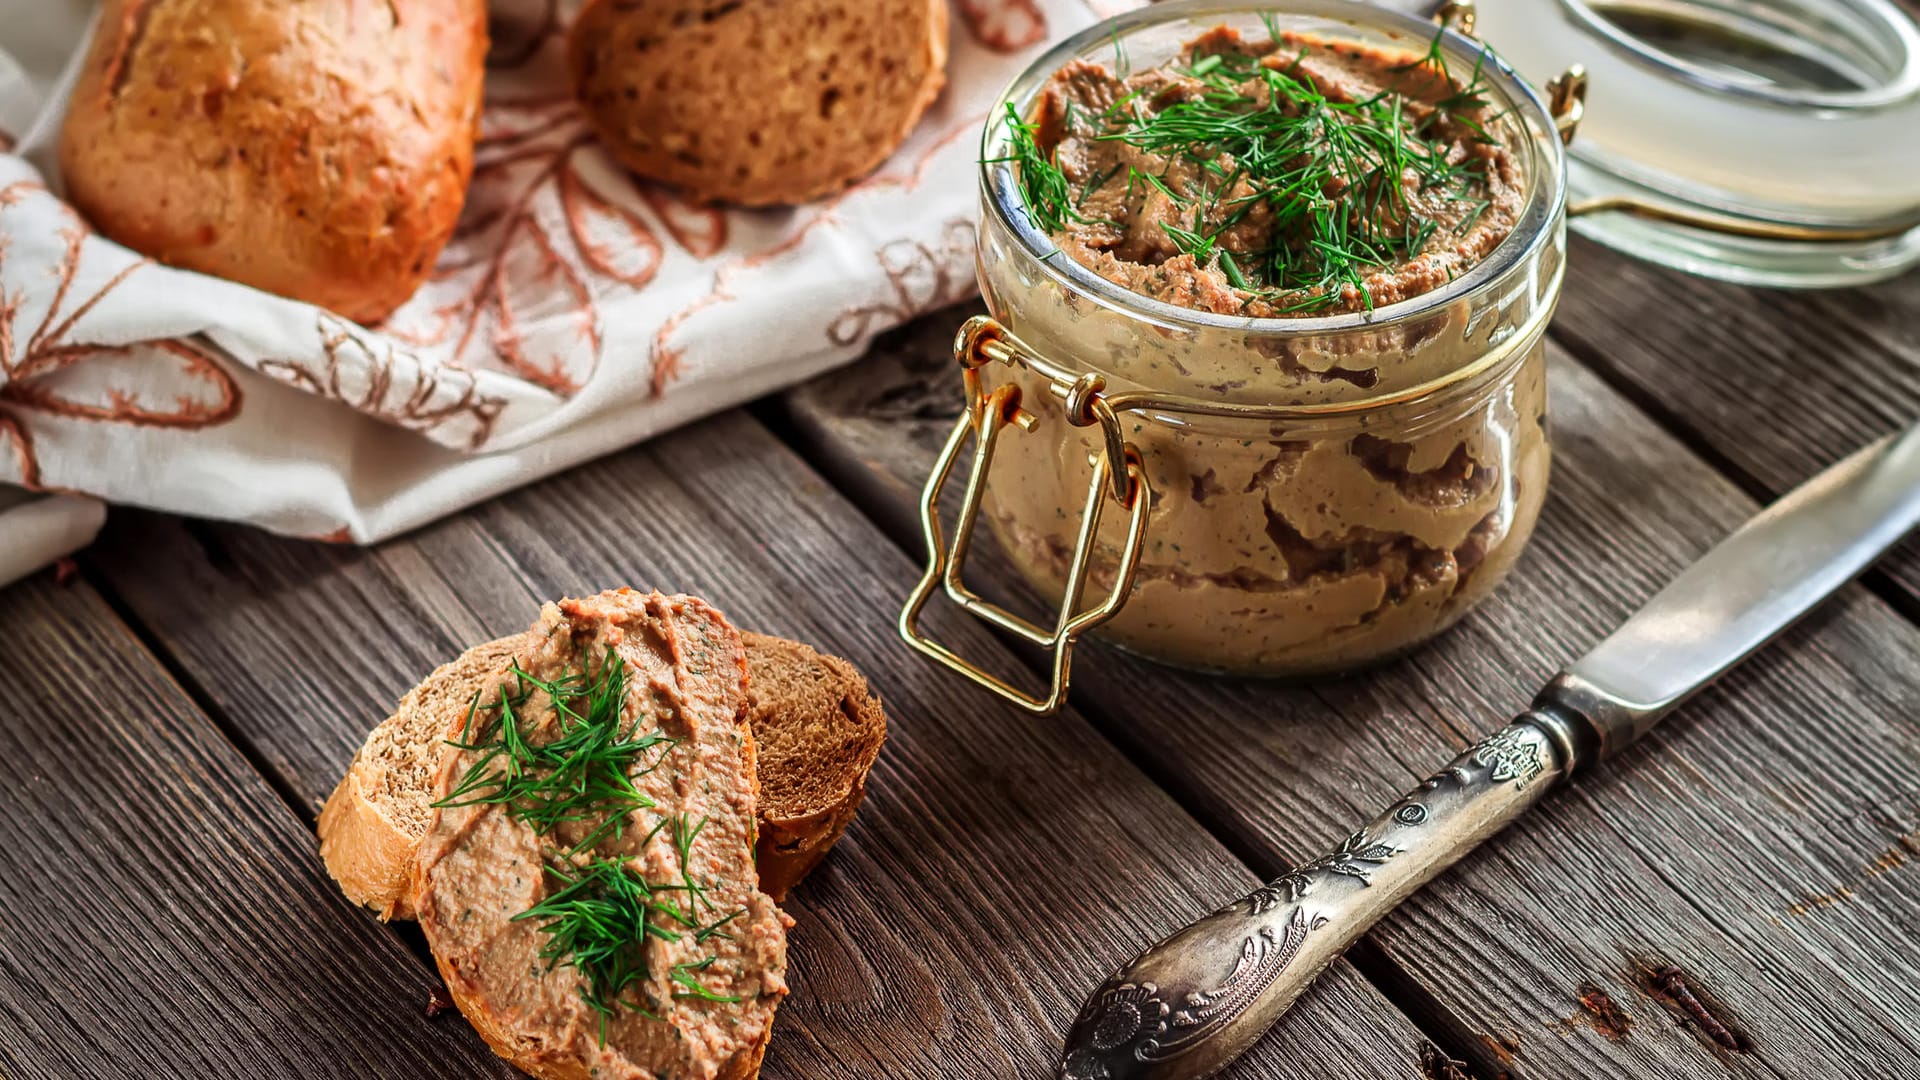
[(1772, 385), (166, 914), (973, 901), (1760, 844)]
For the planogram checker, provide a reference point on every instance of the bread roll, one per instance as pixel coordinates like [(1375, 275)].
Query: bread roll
[(757, 102), (319, 149)]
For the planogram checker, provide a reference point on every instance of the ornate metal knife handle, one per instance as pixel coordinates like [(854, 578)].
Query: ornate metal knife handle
[(1197, 1000)]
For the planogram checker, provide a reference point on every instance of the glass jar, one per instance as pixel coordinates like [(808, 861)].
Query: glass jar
[(1271, 496), (1765, 142)]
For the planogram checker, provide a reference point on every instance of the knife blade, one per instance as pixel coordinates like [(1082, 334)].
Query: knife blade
[(1187, 1006)]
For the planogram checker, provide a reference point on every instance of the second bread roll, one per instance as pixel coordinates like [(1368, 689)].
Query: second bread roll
[(757, 102)]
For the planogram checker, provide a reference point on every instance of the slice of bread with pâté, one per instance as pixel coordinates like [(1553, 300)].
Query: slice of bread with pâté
[(817, 725), (586, 882)]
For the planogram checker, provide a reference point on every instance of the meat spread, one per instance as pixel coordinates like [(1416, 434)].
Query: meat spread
[(1274, 177), (639, 815)]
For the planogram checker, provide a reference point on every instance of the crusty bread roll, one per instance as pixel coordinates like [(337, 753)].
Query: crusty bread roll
[(319, 149), (816, 727), (596, 924), (757, 102)]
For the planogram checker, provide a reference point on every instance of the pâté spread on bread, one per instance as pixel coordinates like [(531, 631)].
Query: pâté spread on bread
[(1312, 261), (588, 885), (577, 813)]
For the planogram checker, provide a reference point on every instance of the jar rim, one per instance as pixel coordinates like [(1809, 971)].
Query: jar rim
[(1545, 197)]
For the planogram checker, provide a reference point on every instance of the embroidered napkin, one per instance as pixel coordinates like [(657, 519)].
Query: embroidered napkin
[(576, 310)]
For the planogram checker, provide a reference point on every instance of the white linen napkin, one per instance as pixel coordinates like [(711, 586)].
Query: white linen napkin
[(576, 311), (37, 529)]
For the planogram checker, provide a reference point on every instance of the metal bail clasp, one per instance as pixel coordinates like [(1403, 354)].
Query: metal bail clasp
[(1567, 100), (1458, 14), (1117, 474)]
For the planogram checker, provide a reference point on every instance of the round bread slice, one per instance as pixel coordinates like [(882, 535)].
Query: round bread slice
[(598, 935), (373, 821), (817, 730), (757, 102)]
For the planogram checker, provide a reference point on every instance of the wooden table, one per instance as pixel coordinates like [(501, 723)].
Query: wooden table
[(1739, 896)]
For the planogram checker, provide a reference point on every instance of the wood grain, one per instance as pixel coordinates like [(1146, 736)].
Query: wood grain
[(1000, 866), (1732, 888), (1771, 385), (166, 913)]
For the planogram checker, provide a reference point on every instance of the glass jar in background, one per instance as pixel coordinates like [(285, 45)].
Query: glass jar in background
[(1272, 496)]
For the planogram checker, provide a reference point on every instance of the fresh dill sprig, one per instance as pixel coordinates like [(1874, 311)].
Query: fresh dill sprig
[(1044, 190), (584, 772), (597, 923), (685, 974), (713, 929), (683, 836)]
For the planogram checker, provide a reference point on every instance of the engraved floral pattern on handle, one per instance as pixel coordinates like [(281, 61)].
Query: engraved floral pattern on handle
[(1355, 858), (1191, 1003), (1139, 1016)]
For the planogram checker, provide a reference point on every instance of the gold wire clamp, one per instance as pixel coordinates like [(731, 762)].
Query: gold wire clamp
[(1456, 14), (1567, 100), (1117, 474)]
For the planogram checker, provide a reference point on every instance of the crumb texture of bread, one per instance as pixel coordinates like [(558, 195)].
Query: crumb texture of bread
[(757, 102), (374, 819), (710, 969), (818, 730), (319, 150)]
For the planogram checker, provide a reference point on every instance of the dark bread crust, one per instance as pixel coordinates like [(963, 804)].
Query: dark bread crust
[(320, 151), (757, 102), (819, 730)]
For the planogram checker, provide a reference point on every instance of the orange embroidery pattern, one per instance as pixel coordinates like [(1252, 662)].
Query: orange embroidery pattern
[(669, 360), (539, 245), (46, 376), (923, 279), (371, 375)]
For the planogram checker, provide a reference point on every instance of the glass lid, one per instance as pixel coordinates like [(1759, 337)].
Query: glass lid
[(1768, 142)]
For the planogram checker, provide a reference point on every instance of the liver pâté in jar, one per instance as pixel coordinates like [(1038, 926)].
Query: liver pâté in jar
[(1282, 277)]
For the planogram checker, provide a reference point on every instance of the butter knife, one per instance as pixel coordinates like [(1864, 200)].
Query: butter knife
[(1186, 1007)]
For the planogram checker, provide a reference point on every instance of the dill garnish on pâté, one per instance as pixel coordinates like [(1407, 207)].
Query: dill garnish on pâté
[(585, 771), (597, 923), (1295, 196), (599, 917)]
